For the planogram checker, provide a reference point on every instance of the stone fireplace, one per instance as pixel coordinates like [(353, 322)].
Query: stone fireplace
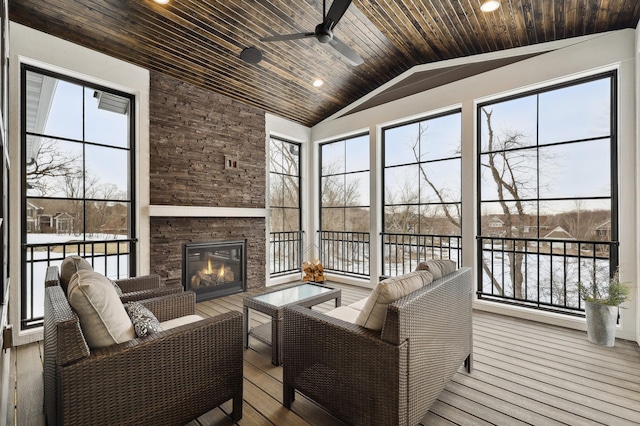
[(193, 198), (214, 269)]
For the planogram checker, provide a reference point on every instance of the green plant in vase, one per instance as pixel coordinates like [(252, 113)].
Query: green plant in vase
[(601, 307)]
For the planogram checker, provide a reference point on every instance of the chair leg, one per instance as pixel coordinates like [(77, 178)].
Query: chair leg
[(468, 363), (236, 415), (288, 395)]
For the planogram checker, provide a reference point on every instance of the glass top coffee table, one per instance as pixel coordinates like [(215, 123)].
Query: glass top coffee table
[(272, 302)]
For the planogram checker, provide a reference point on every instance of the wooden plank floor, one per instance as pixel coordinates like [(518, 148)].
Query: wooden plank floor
[(525, 373)]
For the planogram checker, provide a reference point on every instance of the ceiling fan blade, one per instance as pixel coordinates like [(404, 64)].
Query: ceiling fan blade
[(336, 11), (348, 53), (288, 37)]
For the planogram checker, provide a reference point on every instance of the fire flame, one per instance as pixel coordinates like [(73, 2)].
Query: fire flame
[(209, 268), (221, 272)]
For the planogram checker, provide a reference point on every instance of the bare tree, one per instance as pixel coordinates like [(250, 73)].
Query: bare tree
[(285, 190), (509, 166), (441, 193), (49, 165)]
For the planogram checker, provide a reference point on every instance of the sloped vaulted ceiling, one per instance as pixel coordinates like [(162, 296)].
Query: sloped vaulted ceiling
[(199, 41)]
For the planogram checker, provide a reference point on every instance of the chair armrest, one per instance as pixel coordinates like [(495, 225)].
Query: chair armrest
[(344, 367), (52, 276), (151, 293), (170, 377), (144, 282), (172, 306), (64, 340)]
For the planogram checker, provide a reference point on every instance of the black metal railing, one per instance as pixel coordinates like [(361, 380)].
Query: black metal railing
[(286, 252), (345, 252), (542, 273), (401, 253), (113, 258)]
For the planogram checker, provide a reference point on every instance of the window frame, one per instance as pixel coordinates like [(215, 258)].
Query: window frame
[(131, 202), (612, 76), (428, 240)]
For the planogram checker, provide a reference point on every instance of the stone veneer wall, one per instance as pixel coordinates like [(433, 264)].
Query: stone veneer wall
[(191, 131)]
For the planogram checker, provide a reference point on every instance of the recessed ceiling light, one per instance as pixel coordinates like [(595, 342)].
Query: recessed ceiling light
[(489, 5), (318, 83), (161, 1)]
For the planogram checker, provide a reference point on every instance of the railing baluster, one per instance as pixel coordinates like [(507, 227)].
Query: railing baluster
[(540, 262), (42, 255)]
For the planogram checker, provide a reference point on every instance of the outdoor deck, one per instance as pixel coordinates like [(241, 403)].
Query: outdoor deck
[(525, 373)]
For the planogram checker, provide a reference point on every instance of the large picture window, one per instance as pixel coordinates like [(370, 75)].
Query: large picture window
[(77, 155), (422, 192), (344, 205), (547, 185), (284, 203)]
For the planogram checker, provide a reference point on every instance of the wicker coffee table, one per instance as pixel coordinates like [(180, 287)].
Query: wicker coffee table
[(272, 302)]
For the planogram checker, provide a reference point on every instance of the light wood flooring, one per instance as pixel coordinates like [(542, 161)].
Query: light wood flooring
[(525, 373)]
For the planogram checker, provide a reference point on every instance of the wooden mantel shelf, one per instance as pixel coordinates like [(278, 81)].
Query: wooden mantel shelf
[(196, 211)]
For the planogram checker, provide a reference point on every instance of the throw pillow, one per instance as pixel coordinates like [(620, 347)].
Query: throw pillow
[(70, 265), (103, 319), (388, 291), (144, 322), (438, 267)]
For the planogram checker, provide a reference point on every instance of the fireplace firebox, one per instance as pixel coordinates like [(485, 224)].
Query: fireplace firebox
[(214, 269)]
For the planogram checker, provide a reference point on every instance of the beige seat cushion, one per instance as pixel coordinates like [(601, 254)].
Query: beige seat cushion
[(438, 267), (176, 322), (103, 318), (345, 313), (70, 265), (388, 291)]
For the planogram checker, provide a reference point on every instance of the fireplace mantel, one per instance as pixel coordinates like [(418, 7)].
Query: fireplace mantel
[(197, 211)]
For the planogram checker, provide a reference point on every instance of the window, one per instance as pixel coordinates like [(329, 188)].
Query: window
[(422, 192), (77, 153), (284, 201), (344, 205), (546, 169)]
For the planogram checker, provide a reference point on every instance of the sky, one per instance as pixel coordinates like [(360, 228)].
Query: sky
[(104, 127)]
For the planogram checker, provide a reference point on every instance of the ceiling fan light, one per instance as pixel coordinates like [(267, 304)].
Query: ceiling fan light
[(318, 83), (161, 1), (489, 5)]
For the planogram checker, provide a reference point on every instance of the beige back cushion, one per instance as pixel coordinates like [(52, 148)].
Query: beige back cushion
[(438, 267), (103, 319), (388, 291), (71, 265)]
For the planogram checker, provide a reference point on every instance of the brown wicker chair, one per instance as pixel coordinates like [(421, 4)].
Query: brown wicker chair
[(388, 377), (136, 288), (168, 378)]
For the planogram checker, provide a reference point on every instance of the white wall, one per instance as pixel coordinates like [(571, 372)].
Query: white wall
[(42, 50), (572, 58)]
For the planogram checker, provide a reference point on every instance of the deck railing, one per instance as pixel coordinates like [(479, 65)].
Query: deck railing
[(401, 253), (113, 258), (345, 252), (542, 274), (286, 252)]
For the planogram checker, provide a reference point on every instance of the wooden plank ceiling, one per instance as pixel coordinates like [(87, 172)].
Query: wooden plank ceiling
[(199, 41)]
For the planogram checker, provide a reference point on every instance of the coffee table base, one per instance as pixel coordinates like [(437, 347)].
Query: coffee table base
[(270, 332)]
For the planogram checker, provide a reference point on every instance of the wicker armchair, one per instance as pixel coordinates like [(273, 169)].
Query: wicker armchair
[(136, 288), (167, 378), (388, 377)]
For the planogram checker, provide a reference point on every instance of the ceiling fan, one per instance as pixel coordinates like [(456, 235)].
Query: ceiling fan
[(324, 31)]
